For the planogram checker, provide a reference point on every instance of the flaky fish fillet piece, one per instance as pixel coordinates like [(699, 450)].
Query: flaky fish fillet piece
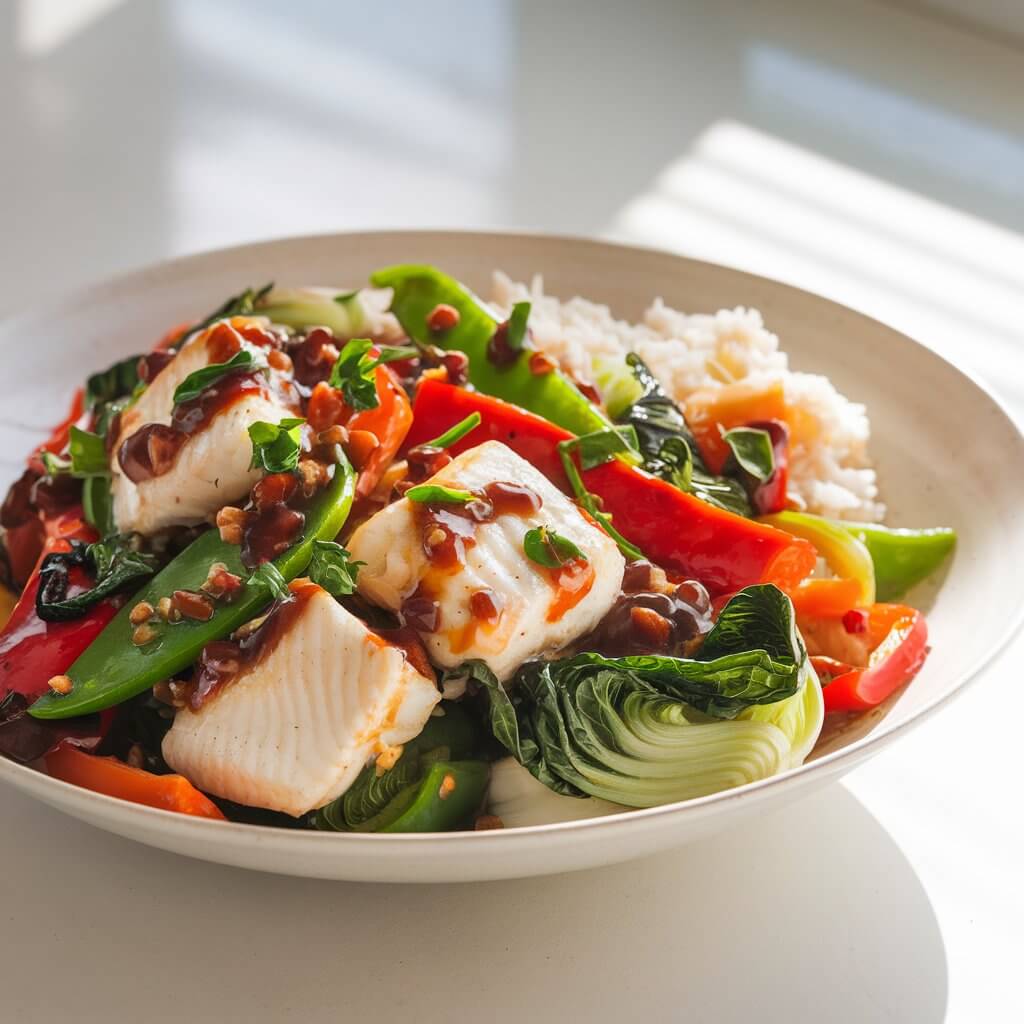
[(292, 732), (532, 620), (212, 467)]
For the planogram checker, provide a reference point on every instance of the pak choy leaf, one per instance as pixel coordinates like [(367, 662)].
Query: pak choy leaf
[(117, 381), (668, 446), (115, 564), (645, 730)]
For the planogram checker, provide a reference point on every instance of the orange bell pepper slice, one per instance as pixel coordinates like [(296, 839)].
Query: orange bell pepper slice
[(111, 777)]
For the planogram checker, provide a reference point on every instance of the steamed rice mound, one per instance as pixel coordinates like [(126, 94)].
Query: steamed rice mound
[(830, 474)]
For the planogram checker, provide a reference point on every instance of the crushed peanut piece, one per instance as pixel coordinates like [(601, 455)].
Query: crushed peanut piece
[(279, 360), (192, 605), (332, 435), (436, 537), (61, 684), (143, 635), (135, 756), (447, 786), (141, 613)]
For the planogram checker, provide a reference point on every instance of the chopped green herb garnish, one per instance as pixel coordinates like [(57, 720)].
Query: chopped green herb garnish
[(269, 576), (587, 500), (353, 373), (550, 549), (276, 446), (752, 448), (199, 380), (456, 433), (434, 494), (332, 568)]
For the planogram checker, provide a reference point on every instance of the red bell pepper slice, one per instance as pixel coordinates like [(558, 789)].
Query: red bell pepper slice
[(389, 421), (678, 531), (115, 778), (33, 651), (900, 636)]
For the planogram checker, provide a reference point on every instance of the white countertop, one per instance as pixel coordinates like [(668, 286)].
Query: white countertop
[(863, 150)]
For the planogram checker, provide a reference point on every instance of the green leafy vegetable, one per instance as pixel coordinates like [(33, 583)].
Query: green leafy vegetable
[(301, 308), (353, 372), (435, 494), (456, 433), (114, 563), (332, 568), (88, 454), (550, 549), (515, 336), (269, 577), (198, 381), (596, 448), (407, 797), (589, 502), (752, 449), (668, 446), (242, 304), (117, 381), (644, 730), (98, 504), (276, 446)]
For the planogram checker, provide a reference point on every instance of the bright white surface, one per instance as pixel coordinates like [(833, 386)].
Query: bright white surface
[(159, 129)]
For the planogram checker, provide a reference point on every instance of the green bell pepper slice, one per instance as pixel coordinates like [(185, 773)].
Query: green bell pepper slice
[(902, 557), (419, 289), (449, 794), (434, 786), (112, 669)]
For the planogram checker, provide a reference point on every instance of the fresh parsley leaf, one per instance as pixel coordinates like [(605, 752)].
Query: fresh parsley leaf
[(598, 447), (268, 576), (353, 373), (88, 454), (550, 549), (199, 380), (587, 500), (515, 336), (456, 433), (276, 446), (752, 448), (435, 494), (332, 568)]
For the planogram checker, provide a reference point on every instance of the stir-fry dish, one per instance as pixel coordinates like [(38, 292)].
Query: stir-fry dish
[(400, 560)]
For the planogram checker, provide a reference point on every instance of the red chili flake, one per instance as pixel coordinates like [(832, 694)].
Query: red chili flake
[(443, 317), (855, 621)]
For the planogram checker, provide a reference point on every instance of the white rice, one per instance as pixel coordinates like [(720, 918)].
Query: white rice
[(832, 477)]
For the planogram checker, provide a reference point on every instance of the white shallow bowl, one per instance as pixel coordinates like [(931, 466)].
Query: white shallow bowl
[(947, 454)]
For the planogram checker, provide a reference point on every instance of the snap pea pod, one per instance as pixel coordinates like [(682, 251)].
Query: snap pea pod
[(419, 289), (902, 557), (112, 669)]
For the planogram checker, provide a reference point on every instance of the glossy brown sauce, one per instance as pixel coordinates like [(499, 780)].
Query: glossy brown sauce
[(652, 616), (222, 661), (270, 533)]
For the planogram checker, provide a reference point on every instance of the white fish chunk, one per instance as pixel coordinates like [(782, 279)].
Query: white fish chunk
[(212, 466), (292, 731), (538, 613)]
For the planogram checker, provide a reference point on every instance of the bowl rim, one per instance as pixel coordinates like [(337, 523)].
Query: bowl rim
[(32, 781)]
